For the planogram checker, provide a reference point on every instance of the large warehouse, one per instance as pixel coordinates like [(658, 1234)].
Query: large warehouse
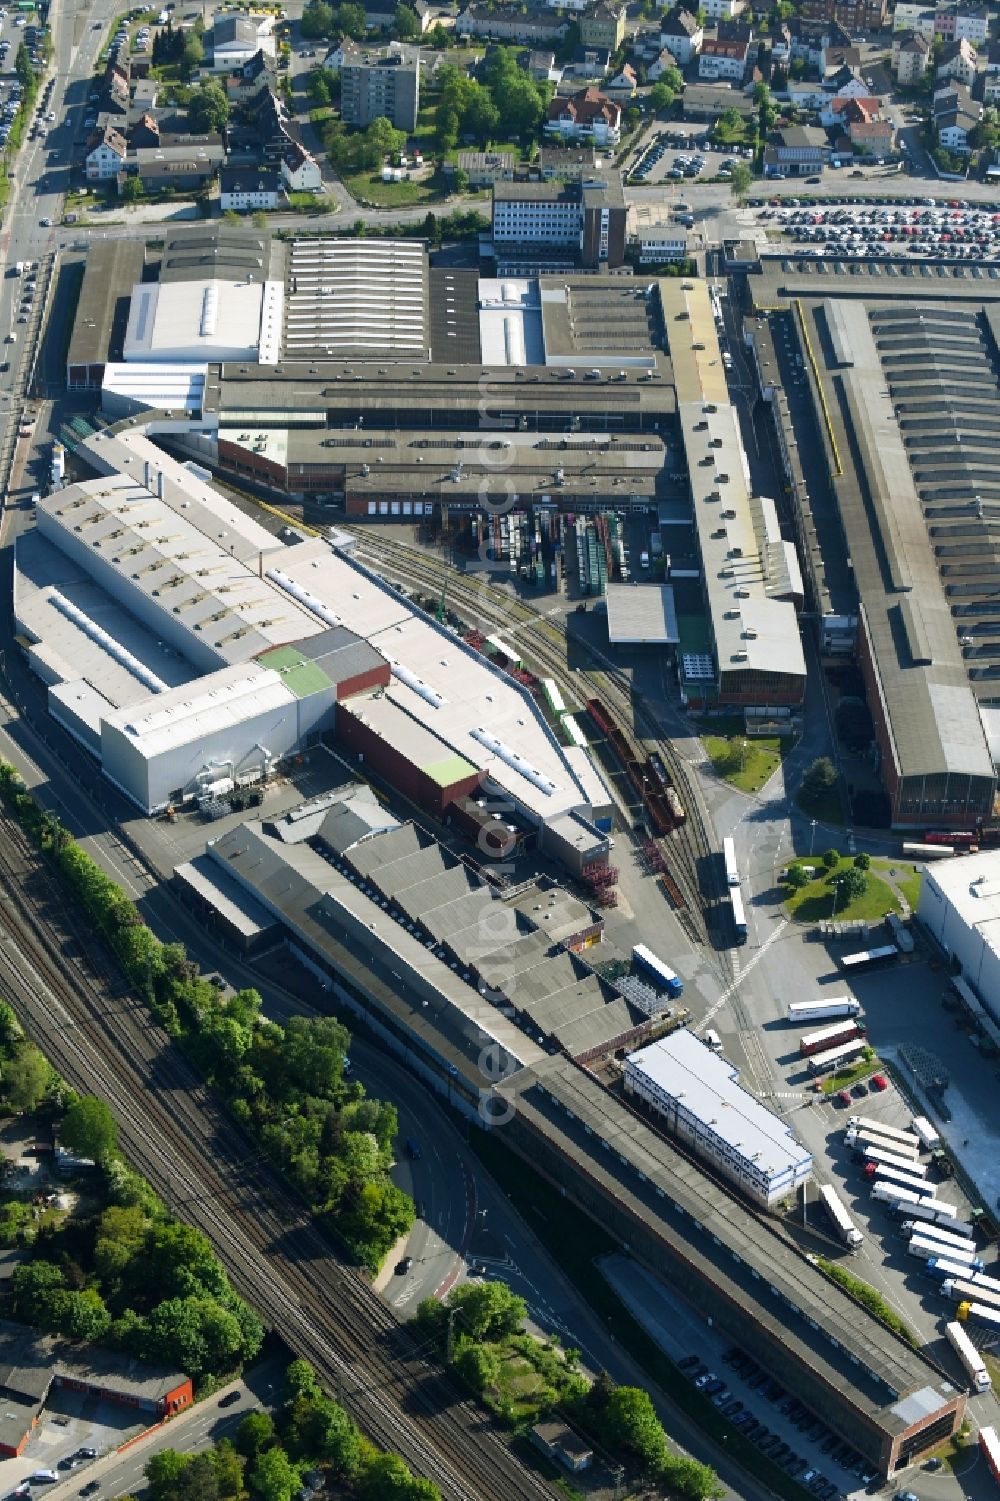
[(896, 536), (190, 652), (960, 907)]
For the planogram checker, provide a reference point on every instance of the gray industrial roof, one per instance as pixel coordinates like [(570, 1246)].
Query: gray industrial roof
[(365, 297), (112, 268), (216, 886), (221, 250), (745, 1259), (642, 613)]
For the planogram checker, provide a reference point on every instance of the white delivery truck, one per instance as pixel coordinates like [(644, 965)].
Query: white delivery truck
[(810, 1011), (929, 1138), (842, 1222)]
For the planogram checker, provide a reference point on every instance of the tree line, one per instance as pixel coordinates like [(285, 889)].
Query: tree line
[(285, 1085)]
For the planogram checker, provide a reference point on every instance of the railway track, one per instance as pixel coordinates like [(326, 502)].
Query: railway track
[(100, 1038), (482, 606)]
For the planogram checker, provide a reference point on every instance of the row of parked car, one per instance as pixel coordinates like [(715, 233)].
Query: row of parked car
[(762, 1437)]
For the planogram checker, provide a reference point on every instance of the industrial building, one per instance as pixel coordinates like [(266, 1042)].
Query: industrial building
[(448, 974), (698, 1096), (896, 545), (543, 227), (190, 652), (960, 908)]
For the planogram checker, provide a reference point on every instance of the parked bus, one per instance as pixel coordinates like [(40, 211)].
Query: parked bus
[(989, 1448), (842, 1222), (927, 851), (729, 857), (870, 958), (739, 916), (835, 1058), (661, 974), (972, 1361)]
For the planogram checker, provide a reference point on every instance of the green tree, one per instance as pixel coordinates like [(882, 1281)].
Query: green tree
[(89, 1129), (852, 883), (318, 87), (197, 1335), (11, 1031), (193, 54), (25, 1078), (256, 1432), (819, 778), (163, 1471), (487, 1310), (661, 97), (317, 20), (481, 117), (831, 859), (22, 67), (740, 182), (406, 23), (229, 1467), (300, 1381), (130, 190), (83, 1315), (37, 1287), (273, 1477), (863, 860), (689, 1480), (630, 1426), (208, 110), (796, 877), (674, 80)]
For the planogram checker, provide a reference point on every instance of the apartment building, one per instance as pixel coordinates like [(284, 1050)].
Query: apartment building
[(698, 1097), (723, 59), (381, 81), (911, 57)]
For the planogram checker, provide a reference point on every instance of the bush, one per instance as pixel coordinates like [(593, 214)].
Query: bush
[(831, 859), (796, 877), (866, 1295), (863, 861)]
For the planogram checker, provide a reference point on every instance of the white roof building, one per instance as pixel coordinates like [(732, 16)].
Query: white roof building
[(698, 1094), (204, 321), (960, 907)]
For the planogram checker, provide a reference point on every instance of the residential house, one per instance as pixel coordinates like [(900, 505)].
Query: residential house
[(587, 115), (955, 114), (855, 15), (185, 169), (246, 191), (105, 155), (569, 163), (145, 95), (993, 58), (721, 59), (796, 151), (735, 31), (838, 113), (588, 65), (145, 132), (569, 4), (251, 79), (382, 81), (681, 32), (486, 168), (300, 172), (539, 26), (234, 39), (810, 41), (837, 58), (958, 61), (380, 15), (952, 23), (806, 96), (663, 61), (874, 139), (603, 25), (723, 10), (911, 57), (624, 86), (646, 43), (345, 47), (991, 89), (540, 64), (845, 83), (116, 95), (918, 18)]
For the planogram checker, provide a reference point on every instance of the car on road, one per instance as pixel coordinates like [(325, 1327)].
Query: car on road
[(687, 1362), (230, 1399), (46, 223), (907, 1496), (91, 1488), (933, 1463), (86, 1452), (402, 1267)]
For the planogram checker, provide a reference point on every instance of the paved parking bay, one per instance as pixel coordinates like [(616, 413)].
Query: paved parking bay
[(768, 1416), (682, 155), (956, 231)]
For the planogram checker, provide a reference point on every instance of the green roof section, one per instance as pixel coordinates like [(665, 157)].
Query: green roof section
[(300, 675), (451, 769)]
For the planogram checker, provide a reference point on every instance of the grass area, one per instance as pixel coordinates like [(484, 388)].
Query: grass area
[(849, 1076), (744, 763), (311, 203), (321, 114), (866, 1295), (576, 1242), (819, 899), (907, 877), (961, 1450), (369, 188), (825, 807)]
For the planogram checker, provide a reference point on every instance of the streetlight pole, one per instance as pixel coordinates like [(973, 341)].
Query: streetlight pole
[(812, 835)]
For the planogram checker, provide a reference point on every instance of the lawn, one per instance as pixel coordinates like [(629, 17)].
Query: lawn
[(744, 763), (906, 876), (814, 902), (848, 1076), (368, 188), (825, 807)]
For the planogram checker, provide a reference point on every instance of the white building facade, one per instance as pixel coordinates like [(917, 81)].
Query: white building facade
[(960, 908), (697, 1094)]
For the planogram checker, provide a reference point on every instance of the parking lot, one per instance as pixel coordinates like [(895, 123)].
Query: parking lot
[(684, 155), (956, 231), (74, 1430)]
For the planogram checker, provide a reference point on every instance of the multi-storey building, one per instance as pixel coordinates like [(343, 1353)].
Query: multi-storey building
[(382, 81), (854, 15), (559, 225), (586, 116)]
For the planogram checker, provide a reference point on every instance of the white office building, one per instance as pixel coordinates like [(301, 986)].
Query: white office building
[(704, 1106)]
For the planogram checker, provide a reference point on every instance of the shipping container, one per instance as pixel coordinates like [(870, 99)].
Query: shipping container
[(922, 1128), (829, 1037), (972, 1361), (810, 1011), (842, 1222)]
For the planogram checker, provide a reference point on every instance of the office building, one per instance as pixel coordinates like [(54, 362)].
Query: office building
[(540, 226)]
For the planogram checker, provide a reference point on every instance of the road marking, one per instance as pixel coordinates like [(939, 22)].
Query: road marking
[(731, 990)]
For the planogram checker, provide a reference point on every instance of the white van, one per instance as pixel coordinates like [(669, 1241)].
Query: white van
[(713, 1040)]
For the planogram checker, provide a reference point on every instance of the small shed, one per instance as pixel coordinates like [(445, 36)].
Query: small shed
[(559, 1443)]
